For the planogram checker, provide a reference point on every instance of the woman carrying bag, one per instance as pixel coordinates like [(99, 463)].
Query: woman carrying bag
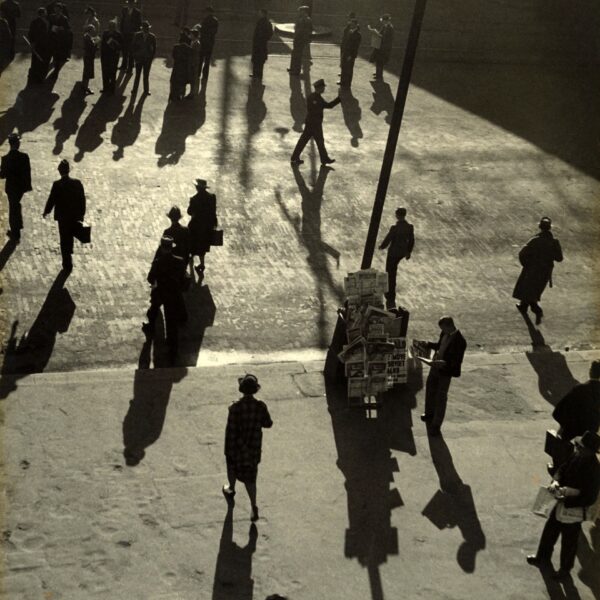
[(203, 223)]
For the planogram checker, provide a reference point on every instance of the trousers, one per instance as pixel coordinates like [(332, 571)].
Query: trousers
[(66, 230), (568, 547), (316, 133), (15, 214)]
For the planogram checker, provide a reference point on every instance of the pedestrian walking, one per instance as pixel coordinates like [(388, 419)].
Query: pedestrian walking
[(181, 68), (537, 258), (110, 49), (313, 125), (90, 48), (446, 363), (39, 40), (166, 277), (67, 200), (91, 18), (203, 212), (575, 486), (349, 50), (143, 50), (302, 35), (243, 440), (16, 170), (382, 39), (399, 242), (129, 25), (11, 11), (180, 235), (263, 32), (194, 62), (208, 34)]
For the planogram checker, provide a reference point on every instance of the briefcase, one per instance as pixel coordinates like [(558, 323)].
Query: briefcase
[(560, 450), (216, 237), (83, 232)]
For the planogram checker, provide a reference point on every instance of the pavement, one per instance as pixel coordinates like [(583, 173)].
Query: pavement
[(351, 507)]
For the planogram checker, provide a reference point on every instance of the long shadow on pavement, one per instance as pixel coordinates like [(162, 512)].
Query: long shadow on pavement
[(256, 111), (31, 353), (554, 376), (6, 252), (352, 113), (589, 558), (233, 571), (128, 127), (365, 459), (453, 505), (68, 123)]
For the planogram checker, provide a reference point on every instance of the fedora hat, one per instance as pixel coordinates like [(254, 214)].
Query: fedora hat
[(248, 384), (202, 183)]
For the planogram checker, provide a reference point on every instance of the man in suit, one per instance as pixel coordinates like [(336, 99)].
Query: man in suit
[(11, 11), (15, 168), (130, 24), (381, 55), (399, 241), (537, 258), (263, 32), (143, 49), (208, 33), (110, 48), (39, 38), (302, 35), (313, 125), (446, 363), (349, 52), (67, 199)]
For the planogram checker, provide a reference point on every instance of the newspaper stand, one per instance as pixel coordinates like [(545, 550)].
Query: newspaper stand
[(375, 355)]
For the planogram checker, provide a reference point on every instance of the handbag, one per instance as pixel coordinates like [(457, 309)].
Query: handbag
[(560, 450), (83, 232), (216, 237), (543, 503)]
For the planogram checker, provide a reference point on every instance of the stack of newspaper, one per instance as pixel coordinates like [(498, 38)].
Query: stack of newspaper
[(375, 356)]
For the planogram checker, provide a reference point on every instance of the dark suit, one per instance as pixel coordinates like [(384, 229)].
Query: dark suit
[(130, 24), (350, 46), (579, 410), (11, 11), (313, 125), (302, 36), (15, 168), (382, 54), (67, 199), (582, 473), (143, 49), (208, 33), (263, 32), (39, 38), (110, 48), (438, 381), (400, 242)]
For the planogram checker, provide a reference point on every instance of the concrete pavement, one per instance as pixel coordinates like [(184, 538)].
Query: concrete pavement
[(350, 508)]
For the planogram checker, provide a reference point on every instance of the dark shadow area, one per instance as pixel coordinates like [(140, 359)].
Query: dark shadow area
[(554, 375), (383, 100), (224, 148), (68, 123), (588, 553), (352, 115), (365, 459), (31, 352), (453, 505), (559, 590), (256, 111), (233, 571), (180, 120), (32, 108), (128, 127), (6, 252), (308, 230), (297, 104)]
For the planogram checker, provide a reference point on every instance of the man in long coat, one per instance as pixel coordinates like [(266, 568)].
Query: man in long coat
[(537, 258), (39, 38), (208, 34), (381, 55), (263, 32), (302, 35), (110, 49), (130, 24), (11, 11), (143, 49), (349, 52)]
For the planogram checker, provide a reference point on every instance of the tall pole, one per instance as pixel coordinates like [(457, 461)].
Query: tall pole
[(390, 149)]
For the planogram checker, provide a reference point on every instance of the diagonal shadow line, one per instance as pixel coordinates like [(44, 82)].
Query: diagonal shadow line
[(6, 252)]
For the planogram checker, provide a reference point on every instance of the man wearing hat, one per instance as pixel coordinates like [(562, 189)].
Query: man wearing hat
[(166, 278), (243, 440), (537, 258), (302, 35), (575, 486), (180, 235), (313, 125), (15, 168), (349, 52), (203, 212), (130, 24), (208, 34), (143, 49), (110, 49), (382, 50), (263, 32), (67, 199)]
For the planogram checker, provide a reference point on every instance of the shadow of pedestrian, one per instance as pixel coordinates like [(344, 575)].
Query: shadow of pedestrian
[(180, 120), (145, 418), (233, 571), (256, 111), (453, 505), (365, 459), (128, 127), (564, 590), (6, 252), (554, 376), (31, 353), (589, 558), (297, 104), (201, 311), (383, 100), (352, 115), (68, 123)]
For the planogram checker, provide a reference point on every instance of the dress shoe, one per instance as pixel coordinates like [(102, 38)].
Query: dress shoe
[(522, 309), (296, 161), (147, 329), (425, 417), (328, 161), (534, 560), (538, 317)]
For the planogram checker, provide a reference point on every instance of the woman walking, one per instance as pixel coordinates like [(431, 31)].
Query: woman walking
[(203, 213)]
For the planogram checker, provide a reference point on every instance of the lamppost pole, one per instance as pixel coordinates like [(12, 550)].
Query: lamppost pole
[(396, 121)]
